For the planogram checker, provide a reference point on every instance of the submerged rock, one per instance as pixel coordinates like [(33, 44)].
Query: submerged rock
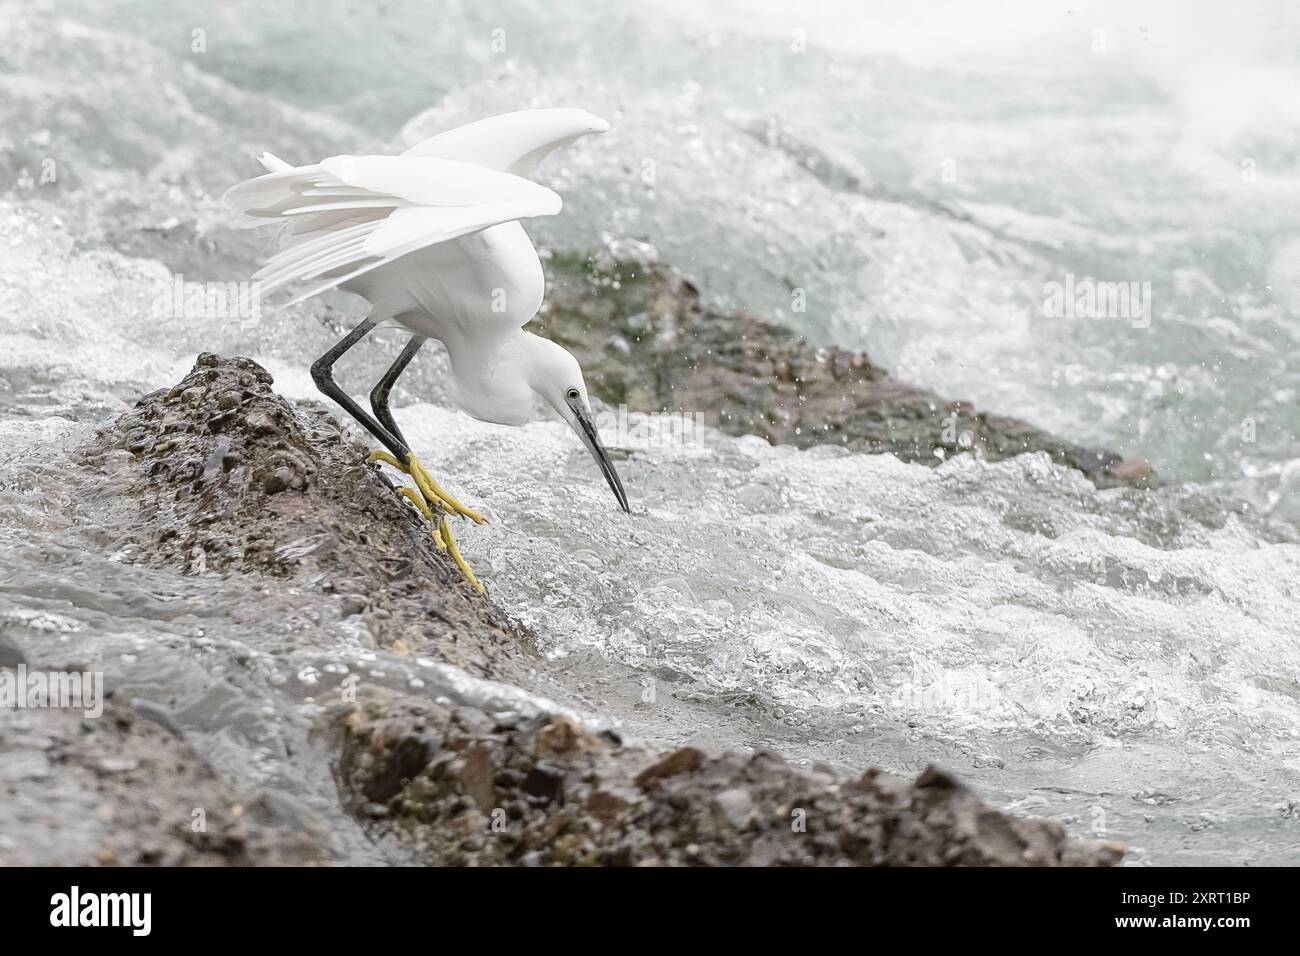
[(646, 341), (506, 796), (221, 477), (128, 793)]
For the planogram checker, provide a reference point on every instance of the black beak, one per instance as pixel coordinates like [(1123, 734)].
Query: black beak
[(587, 432)]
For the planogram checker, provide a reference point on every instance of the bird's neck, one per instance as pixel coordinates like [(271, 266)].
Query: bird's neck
[(488, 378)]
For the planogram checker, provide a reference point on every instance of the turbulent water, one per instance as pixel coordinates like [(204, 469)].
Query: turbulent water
[(1126, 662)]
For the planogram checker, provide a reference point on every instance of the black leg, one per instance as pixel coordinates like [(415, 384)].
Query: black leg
[(321, 373), (379, 394)]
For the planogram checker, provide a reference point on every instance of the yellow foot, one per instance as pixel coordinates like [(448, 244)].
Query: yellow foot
[(455, 555), (414, 498), (443, 539), (442, 536), (431, 490)]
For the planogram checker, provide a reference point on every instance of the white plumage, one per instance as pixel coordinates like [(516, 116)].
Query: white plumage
[(432, 240), (351, 215)]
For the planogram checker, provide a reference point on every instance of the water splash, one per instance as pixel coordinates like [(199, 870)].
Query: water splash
[(1124, 662)]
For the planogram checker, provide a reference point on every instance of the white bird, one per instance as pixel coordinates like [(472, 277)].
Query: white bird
[(432, 240)]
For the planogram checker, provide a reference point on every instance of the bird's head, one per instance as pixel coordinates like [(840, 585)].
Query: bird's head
[(553, 373)]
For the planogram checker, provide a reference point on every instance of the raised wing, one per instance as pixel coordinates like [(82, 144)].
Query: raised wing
[(512, 142), (349, 215)]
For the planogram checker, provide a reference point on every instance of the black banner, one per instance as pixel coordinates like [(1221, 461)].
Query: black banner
[(372, 905)]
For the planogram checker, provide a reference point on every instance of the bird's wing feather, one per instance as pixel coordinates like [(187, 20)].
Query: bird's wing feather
[(273, 163), (353, 214), (512, 142), (431, 181)]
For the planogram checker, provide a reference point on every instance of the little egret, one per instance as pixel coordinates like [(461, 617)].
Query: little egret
[(432, 240)]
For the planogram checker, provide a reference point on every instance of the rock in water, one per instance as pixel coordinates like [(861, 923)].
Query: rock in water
[(230, 478), (608, 804), (648, 342)]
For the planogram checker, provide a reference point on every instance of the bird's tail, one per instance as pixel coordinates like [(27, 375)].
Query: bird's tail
[(235, 197), (272, 164), (324, 224)]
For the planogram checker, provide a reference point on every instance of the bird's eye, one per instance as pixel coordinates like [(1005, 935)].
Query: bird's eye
[(571, 394)]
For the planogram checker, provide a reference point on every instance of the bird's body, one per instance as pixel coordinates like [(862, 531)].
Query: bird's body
[(438, 292), (432, 240)]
